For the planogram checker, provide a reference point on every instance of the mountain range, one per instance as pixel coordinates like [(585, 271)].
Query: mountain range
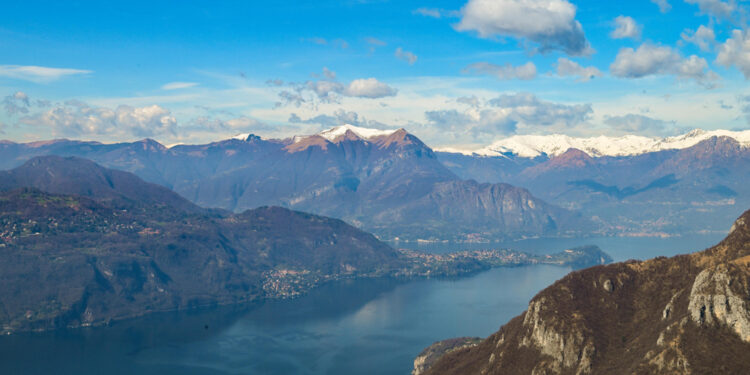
[(673, 191), (390, 183), (683, 315), (387, 182)]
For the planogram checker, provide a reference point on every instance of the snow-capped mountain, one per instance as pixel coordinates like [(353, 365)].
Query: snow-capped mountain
[(531, 146), (364, 133), (335, 132)]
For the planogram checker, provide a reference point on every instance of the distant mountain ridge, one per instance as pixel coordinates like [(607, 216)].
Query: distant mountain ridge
[(385, 181), (662, 193), (532, 146)]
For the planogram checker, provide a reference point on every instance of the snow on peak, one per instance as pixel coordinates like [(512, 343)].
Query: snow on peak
[(530, 146), (241, 137), (364, 133)]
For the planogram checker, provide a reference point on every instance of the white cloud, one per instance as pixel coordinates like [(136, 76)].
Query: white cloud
[(339, 117), (638, 124), (38, 74), (664, 5), (18, 103), (525, 72), (407, 56), (626, 27), (650, 59), (178, 85), (736, 52), (715, 8), (75, 118), (704, 37), (566, 67), (369, 88), (328, 90), (375, 41), (436, 12), (506, 114), (550, 23), (428, 12)]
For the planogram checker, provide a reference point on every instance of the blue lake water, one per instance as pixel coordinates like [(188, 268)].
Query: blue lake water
[(351, 327)]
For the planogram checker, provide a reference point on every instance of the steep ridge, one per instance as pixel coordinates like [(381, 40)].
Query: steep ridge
[(77, 176), (683, 315), (103, 252), (374, 179)]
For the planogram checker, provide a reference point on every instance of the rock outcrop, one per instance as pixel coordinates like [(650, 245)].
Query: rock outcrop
[(689, 314), (433, 352)]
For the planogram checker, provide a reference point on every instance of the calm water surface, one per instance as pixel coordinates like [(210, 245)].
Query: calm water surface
[(355, 327)]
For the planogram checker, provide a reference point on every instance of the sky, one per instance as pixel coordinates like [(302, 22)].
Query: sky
[(455, 73)]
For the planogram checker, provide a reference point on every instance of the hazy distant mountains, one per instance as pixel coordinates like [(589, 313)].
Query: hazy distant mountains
[(391, 183), (671, 191), (683, 315), (387, 182)]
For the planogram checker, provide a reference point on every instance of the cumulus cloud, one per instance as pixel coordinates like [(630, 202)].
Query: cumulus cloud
[(178, 85), (626, 27), (650, 59), (17, 103), (736, 52), (704, 37), (566, 67), (242, 124), (369, 88), (640, 124), (525, 72), (38, 74), (506, 114), (407, 56), (549, 23), (339, 117), (75, 118), (328, 90), (664, 5), (715, 8), (472, 101)]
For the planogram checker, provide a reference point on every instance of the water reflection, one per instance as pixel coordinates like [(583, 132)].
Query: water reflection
[(365, 327)]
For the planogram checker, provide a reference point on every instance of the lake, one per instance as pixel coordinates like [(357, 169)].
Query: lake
[(352, 327)]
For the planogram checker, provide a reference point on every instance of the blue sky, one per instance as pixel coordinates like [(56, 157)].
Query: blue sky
[(459, 73)]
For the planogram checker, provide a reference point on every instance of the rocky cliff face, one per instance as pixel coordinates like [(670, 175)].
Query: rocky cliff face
[(683, 315)]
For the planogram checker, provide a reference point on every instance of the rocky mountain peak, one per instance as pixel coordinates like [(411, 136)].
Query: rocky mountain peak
[(149, 144)]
